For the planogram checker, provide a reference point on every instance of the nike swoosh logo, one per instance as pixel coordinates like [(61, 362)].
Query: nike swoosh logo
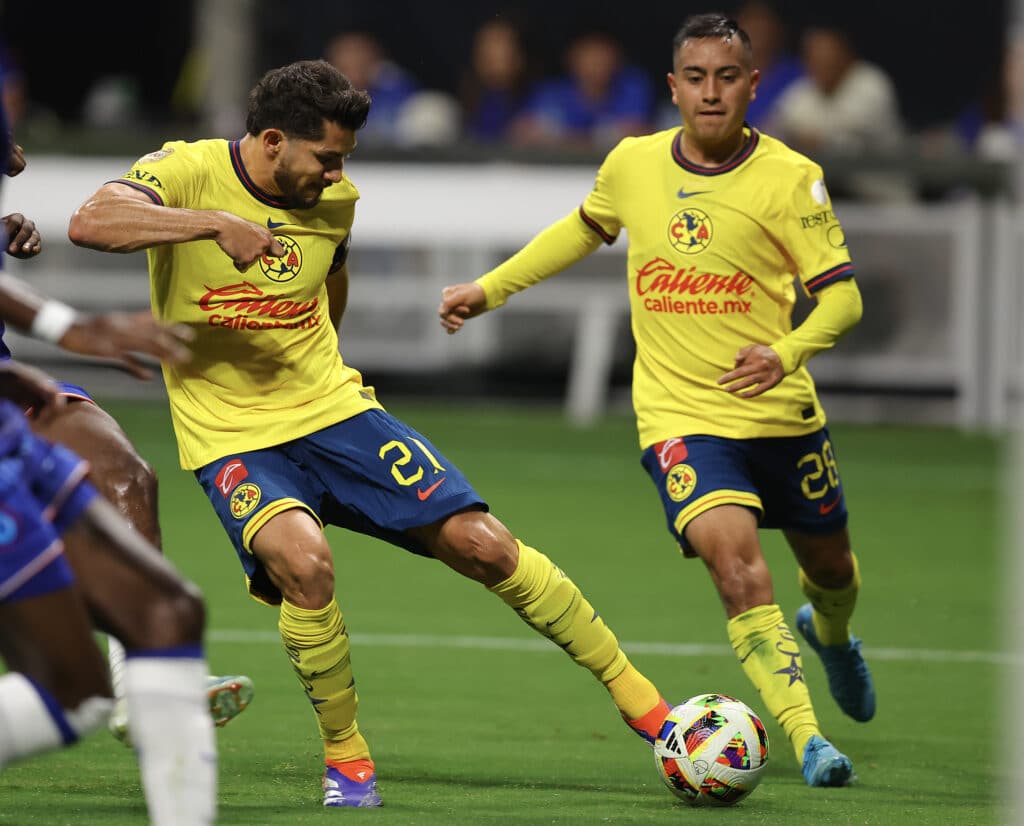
[(823, 508), (682, 193), (275, 224), (752, 650), (424, 495)]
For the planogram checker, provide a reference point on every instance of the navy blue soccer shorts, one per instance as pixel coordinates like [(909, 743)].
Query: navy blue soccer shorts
[(42, 491), (371, 473), (792, 483)]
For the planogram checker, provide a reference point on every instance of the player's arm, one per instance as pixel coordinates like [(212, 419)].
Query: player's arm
[(555, 248), (120, 218), (29, 387), (23, 239), (337, 294), (759, 368), (114, 336), (16, 161)]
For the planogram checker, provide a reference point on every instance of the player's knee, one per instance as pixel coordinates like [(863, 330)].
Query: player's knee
[(480, 547), (174, 619), (132, 477), (306, 578), (742, 583)]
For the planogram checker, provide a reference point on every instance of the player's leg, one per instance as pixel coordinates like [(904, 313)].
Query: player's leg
[(259, 497), (725, 538), (711, 506), (475, 544), (136, 595), (294, 552), (57, 688), (129, 483), (384, 479), (830, 577)]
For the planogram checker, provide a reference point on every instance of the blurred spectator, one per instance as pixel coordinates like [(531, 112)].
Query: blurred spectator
[(362, 59), (13, 89), (843, 105), (597, 103), (779, 67), (994, 127), (493, 89)]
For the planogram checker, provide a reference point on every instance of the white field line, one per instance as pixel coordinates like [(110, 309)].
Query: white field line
[(663, 649)]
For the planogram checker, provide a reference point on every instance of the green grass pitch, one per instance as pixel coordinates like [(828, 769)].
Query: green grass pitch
[(472, 720)]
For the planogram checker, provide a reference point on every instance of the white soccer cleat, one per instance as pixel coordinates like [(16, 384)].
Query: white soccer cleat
[(229, 697)]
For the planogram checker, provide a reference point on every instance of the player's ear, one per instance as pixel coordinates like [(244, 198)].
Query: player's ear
[(272, 141), (755, 78), (671, 78)]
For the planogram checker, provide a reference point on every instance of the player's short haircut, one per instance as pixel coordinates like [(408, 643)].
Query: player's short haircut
[(710, 25), (299, 97)]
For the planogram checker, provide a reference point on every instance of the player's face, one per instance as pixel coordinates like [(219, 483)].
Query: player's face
[(712, 86), (304, 168)]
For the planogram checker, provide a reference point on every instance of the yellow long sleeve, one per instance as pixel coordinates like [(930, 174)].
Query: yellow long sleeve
[(839, 309), (551, 251)]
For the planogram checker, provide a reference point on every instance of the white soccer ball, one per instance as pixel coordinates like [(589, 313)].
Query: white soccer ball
[(711, 749)]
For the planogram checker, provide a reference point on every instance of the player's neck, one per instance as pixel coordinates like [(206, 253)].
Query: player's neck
[(713, 154), (257, 164)]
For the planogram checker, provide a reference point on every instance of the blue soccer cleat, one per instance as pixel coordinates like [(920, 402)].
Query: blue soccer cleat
[(228, 697), (351, 784), (849, 678), (824, 765)]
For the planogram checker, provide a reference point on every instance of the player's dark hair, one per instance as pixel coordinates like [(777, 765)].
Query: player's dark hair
[(710, 25), (299, 97)]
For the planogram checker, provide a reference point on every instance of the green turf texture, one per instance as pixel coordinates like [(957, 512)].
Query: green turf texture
[(477, 735)]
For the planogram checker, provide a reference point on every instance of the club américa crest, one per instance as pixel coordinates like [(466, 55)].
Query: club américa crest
[(287, 266)]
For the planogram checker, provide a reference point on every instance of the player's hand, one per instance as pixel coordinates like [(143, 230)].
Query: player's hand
[(23, 239), (460, 302), (245, 242), (121, 336), (758, 369), (29, 387), (16, 161)]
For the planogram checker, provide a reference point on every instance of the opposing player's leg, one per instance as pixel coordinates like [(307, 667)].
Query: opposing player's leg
[(475, 544), (129, 483), (135, 594), (830, 577), (57, 689)]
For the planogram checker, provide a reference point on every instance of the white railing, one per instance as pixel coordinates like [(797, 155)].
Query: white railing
[(925, 272)]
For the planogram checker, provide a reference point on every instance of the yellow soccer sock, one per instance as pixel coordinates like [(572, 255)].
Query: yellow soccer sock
[(636, 696), (316, 641), (770, 658), (347, 750), (832, 608), (550, 603)]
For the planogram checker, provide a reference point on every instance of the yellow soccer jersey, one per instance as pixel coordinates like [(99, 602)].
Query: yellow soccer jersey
[(265, 367), (713, 254)]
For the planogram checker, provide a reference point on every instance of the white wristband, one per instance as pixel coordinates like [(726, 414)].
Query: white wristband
[(52, 321)]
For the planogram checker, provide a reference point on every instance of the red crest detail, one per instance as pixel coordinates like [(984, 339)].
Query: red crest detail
[(229, 477), (670, 452)]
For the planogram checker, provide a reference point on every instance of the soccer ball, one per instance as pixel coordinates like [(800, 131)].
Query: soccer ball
[(711, 749)]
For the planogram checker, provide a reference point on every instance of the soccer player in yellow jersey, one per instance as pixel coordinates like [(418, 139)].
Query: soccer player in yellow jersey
[(247, 242), (721, 220)]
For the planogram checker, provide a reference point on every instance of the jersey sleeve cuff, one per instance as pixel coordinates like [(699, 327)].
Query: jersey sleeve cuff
[(839, 273)]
